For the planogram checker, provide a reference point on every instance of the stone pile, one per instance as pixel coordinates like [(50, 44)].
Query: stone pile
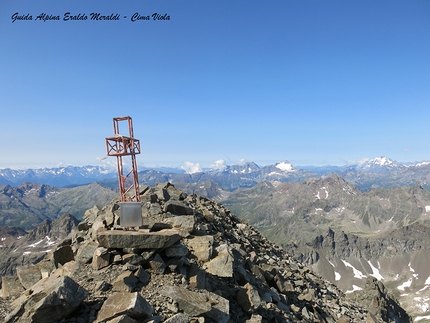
[(190, 261)]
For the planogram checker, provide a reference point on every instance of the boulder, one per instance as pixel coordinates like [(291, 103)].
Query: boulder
[(184, 223), (138, 239), (123, 303), (248, 298), (191, 303), (11, 286), (221, 265), (205, 304), (178, 318), (53, 298), (142, 275), (28, 275), (178, 250), (201, 246), (220, 311), (123, 319), (101, 258), (133, 259), (86, 251), (125, 282), (157, 264), (178, 208), (63, 254)]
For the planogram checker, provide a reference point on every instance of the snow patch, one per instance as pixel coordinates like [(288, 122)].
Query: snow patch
[(274, 173), (50, 243), (413, 270), (354, 288), (419, 318), (375, 271), (326, 193), (422, 164), (405, 284), (36, 243), (422, 303), (427, 208), (337, 276), (357, 273), (422, 289)]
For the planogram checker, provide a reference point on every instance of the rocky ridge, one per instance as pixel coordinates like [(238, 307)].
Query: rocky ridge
[(398, 258), (190, 261), (21, 248)]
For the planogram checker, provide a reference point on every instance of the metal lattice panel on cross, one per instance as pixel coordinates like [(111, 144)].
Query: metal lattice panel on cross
[(122, 146)]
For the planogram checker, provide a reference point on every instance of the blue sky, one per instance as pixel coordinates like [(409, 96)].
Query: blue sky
[(311, 82)]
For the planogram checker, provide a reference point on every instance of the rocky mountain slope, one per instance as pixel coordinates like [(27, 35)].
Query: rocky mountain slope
[(29, 204), (192, 260), (298, 212), (347, 235), (398, 258), (22, 248)]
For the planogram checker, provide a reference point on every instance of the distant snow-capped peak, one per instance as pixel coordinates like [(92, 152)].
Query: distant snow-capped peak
[(378, 161), (243, 168), (424, 163), (381, 163)]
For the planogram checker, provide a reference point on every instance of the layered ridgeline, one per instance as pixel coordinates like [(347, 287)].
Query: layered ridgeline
[(191, 261), (347, 235), (377, 172)]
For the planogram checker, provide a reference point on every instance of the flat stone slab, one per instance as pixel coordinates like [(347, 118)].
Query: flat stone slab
[(138, 239)]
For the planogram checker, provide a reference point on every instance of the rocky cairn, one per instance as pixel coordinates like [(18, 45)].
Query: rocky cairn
[(190, 261)]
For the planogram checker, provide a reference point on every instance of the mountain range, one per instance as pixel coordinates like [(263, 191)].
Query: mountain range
[(377, 172), (347, 235)]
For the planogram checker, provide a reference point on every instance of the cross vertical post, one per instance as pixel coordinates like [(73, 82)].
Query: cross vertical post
[(122, 146)]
